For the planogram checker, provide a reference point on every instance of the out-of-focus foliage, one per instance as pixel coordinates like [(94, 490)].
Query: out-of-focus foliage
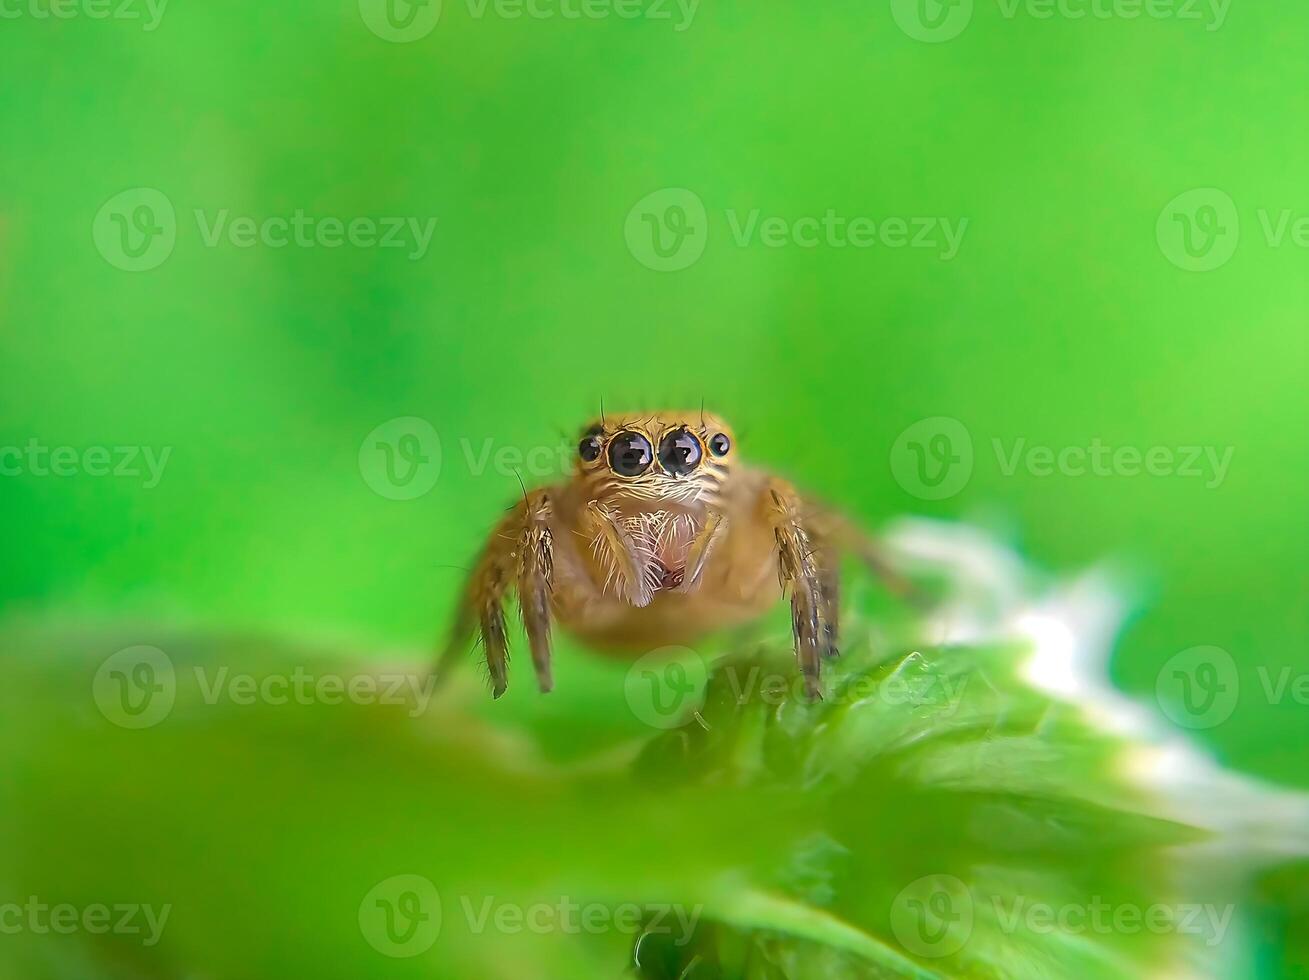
[(927, 819)]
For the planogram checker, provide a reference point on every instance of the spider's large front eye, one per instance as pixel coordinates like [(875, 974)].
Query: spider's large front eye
[(630, 454), (679, 452)]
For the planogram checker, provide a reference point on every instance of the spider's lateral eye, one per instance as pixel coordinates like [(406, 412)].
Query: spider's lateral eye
[(679, 452), (630, 454), (589, 449), (720, 444)]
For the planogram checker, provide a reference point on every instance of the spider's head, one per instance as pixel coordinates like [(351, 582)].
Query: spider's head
[(683, 456)]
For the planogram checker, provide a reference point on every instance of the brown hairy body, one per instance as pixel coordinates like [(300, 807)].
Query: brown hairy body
[(660, 535)]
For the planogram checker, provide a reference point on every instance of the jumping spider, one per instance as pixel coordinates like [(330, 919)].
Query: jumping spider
[(660, 535)]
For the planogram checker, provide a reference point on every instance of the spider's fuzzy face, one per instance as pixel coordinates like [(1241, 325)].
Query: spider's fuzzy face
[(660, 456)]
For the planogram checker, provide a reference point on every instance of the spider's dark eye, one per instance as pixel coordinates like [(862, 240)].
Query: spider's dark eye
[(679, 452), (630, 454), (720, 444), (589, 449)]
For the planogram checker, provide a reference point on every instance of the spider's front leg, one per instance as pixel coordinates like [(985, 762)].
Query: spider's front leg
[(519, 557), (808, 573), (842, 535)]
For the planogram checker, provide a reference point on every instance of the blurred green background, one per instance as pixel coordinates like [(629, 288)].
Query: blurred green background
[(1067, 314)]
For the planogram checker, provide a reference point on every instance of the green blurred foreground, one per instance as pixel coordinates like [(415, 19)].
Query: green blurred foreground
[(281, 810)]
